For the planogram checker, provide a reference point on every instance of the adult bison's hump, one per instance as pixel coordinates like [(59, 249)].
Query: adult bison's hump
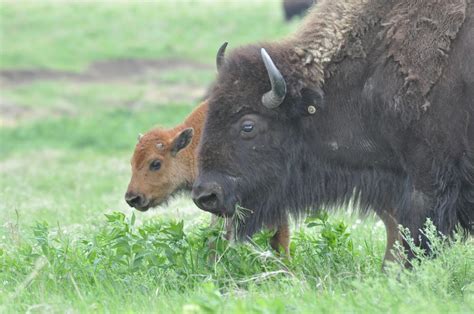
[(419, 38)]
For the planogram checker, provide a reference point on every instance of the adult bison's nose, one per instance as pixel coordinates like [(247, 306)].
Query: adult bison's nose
[(208, 196), (134, 200)]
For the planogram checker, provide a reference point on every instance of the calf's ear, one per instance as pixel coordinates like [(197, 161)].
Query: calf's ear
[(182, 140)]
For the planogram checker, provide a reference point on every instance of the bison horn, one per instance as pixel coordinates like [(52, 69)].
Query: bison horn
[(273, 98), (220, 57), (139, 137)]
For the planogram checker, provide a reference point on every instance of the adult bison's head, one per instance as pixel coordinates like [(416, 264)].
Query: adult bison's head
[(159, 168), (253, 136)]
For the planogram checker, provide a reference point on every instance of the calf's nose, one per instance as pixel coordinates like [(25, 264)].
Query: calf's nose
[(133, 199), (208, 196)]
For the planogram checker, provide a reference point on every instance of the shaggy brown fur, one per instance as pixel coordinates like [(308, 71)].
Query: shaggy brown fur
[(313, 50), (421, 46), (148, 188), (418, 34)]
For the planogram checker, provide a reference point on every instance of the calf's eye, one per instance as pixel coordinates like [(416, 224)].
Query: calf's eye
[(155, 165)]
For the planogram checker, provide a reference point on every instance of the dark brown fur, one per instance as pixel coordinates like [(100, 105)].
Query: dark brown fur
[(392, 83), (294, 8)]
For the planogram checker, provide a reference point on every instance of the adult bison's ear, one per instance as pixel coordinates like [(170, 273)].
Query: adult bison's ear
[(311, 101), (182, 140)]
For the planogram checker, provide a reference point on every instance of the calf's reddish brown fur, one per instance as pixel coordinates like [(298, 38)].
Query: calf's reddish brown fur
[(174, 150)]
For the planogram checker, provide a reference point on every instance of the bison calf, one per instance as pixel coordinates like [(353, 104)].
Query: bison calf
[(164, 163)]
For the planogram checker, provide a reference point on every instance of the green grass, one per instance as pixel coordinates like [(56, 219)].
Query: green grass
[(159, 266), (68, 241)]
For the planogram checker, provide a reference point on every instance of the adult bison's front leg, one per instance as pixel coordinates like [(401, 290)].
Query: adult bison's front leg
[(415, 209), (393, 234), (431, 190)]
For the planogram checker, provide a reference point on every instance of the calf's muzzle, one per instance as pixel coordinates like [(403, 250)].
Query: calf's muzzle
[(136, 200)]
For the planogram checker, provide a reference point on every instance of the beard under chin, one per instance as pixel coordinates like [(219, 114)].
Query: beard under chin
[(257, 213)]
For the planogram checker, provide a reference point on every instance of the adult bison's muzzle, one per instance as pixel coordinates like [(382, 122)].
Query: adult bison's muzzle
[(210, 196)]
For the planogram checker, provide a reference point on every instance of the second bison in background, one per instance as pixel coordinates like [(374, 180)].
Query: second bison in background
[(370, 102), (294, 8)]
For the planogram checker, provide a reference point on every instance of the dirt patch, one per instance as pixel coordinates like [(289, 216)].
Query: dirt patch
[(175, 93), (100, 71), (124, 72), (12, 113)]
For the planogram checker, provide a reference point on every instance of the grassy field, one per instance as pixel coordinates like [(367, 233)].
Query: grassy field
[(78, 81)]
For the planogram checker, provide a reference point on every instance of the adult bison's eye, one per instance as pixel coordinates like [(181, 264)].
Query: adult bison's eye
[(247, 126), (247, 129), (155, 165)]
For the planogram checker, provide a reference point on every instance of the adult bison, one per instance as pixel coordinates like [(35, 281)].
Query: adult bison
[(369, 102)]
